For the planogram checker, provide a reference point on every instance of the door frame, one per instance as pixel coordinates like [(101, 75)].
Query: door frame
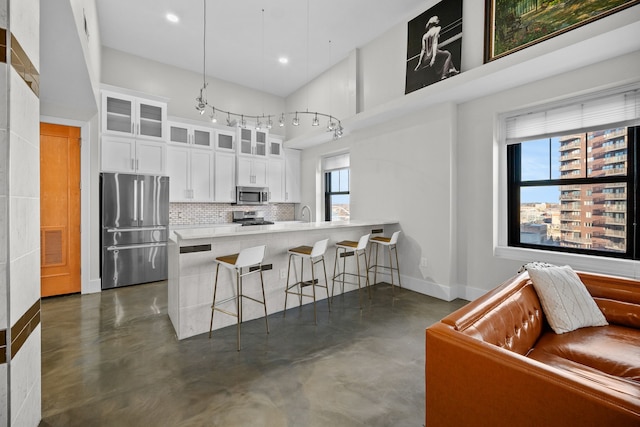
[(86, 284)]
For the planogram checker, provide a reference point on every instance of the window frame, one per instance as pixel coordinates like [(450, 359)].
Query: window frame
[(328, 193), (514, 184)]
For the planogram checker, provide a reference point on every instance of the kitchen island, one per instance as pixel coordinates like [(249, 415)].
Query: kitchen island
[(192, 252)]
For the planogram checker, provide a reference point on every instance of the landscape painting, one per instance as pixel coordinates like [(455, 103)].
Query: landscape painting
[(515, 24)]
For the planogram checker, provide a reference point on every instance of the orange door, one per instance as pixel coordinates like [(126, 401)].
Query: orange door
[(59, 209)]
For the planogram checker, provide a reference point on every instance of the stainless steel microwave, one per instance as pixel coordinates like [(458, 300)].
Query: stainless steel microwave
[(252, 195)]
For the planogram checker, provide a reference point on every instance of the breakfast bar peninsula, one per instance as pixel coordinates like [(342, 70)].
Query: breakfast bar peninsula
[(192, 252)]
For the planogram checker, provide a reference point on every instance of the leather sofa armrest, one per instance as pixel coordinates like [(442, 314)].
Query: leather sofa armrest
[(471, 382)]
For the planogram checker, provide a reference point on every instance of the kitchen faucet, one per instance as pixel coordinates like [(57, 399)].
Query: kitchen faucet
[(308, 210)]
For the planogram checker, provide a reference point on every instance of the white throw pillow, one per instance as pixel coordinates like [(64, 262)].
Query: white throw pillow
[(565, 299)]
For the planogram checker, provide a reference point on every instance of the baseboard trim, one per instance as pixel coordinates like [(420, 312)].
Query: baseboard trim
[(443, 292), (92, 286)]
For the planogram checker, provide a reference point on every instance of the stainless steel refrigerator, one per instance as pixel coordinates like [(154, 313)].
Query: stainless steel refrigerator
[(135, 228)]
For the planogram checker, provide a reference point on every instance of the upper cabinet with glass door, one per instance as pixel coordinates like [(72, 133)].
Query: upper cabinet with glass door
[(198, 136), (252, 142), (225, 141), (128, 115), (276, 149)]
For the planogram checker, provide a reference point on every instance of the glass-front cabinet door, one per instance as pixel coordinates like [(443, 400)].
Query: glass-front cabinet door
[(118, 114), (151, 119), (246, 141), (275, 148), (261, 143), (225, 141), (202, 137), (126, 115), (253, 142), (178, 133)]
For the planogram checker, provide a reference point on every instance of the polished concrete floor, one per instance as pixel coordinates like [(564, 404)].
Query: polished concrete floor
[(112, 359)]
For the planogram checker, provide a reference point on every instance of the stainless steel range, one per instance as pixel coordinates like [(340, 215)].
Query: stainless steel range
[(250, 218)]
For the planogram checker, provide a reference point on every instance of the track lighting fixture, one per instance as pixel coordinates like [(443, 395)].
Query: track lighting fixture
[(334, 125)]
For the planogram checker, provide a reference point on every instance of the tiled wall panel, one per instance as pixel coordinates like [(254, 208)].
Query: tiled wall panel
[(25, 26), (4, 161), (20, 225), (3, 394), (25, 383)]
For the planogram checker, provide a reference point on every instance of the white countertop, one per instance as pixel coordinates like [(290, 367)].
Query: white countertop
[(229, 230)]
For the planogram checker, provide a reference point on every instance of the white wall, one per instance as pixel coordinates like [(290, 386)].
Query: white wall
[(91, 44), (442, 161), (478, 163), (331, 93), (404, 171), (434, 168), (182, 87)]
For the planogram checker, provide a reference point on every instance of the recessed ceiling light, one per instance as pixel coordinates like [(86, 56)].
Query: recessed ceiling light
[(283, 60), (172, 18)]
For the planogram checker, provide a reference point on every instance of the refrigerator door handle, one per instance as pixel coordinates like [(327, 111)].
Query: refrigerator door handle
[(127, 247), (135, 199), (141, 200), (124, 230)]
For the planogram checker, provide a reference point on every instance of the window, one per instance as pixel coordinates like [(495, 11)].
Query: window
[(561, 200), (337, 195), (336, 187), (572, 177)]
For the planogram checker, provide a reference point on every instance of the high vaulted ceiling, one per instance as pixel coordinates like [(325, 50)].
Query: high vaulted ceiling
[(236, 50)]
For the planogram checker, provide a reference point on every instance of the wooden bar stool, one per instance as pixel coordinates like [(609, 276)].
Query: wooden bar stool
[(250, 260), (390, 243), (315, 255), (345, 249)]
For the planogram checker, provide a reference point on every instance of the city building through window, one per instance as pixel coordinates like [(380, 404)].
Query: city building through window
[(574, 190)]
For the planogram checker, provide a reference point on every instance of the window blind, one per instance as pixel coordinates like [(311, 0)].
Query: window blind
[(339, 161), (579, 115)]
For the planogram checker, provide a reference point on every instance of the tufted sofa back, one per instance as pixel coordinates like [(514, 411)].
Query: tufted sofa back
[(510, 316)]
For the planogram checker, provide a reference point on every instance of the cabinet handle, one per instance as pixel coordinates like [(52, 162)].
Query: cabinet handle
[(137, 164), (133, 165), (132, 129)]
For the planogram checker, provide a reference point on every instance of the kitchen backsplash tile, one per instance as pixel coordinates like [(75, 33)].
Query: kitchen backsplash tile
[(220, 213)]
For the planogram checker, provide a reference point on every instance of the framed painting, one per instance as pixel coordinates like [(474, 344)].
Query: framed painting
[(512, 25), (434, 45)]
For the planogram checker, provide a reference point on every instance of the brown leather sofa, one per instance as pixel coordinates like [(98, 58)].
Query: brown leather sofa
[(496, 362)]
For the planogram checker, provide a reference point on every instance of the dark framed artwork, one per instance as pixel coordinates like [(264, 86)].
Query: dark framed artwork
[(434, 45), (512, 25)]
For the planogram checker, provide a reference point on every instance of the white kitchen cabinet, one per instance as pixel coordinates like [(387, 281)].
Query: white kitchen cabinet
[(190, 171), (276, 148), (276, 180), (182, 133), (292, 175), (225, 177), (251, 172), (133, 156), (225, 141), (127, 115), (252, 142)]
